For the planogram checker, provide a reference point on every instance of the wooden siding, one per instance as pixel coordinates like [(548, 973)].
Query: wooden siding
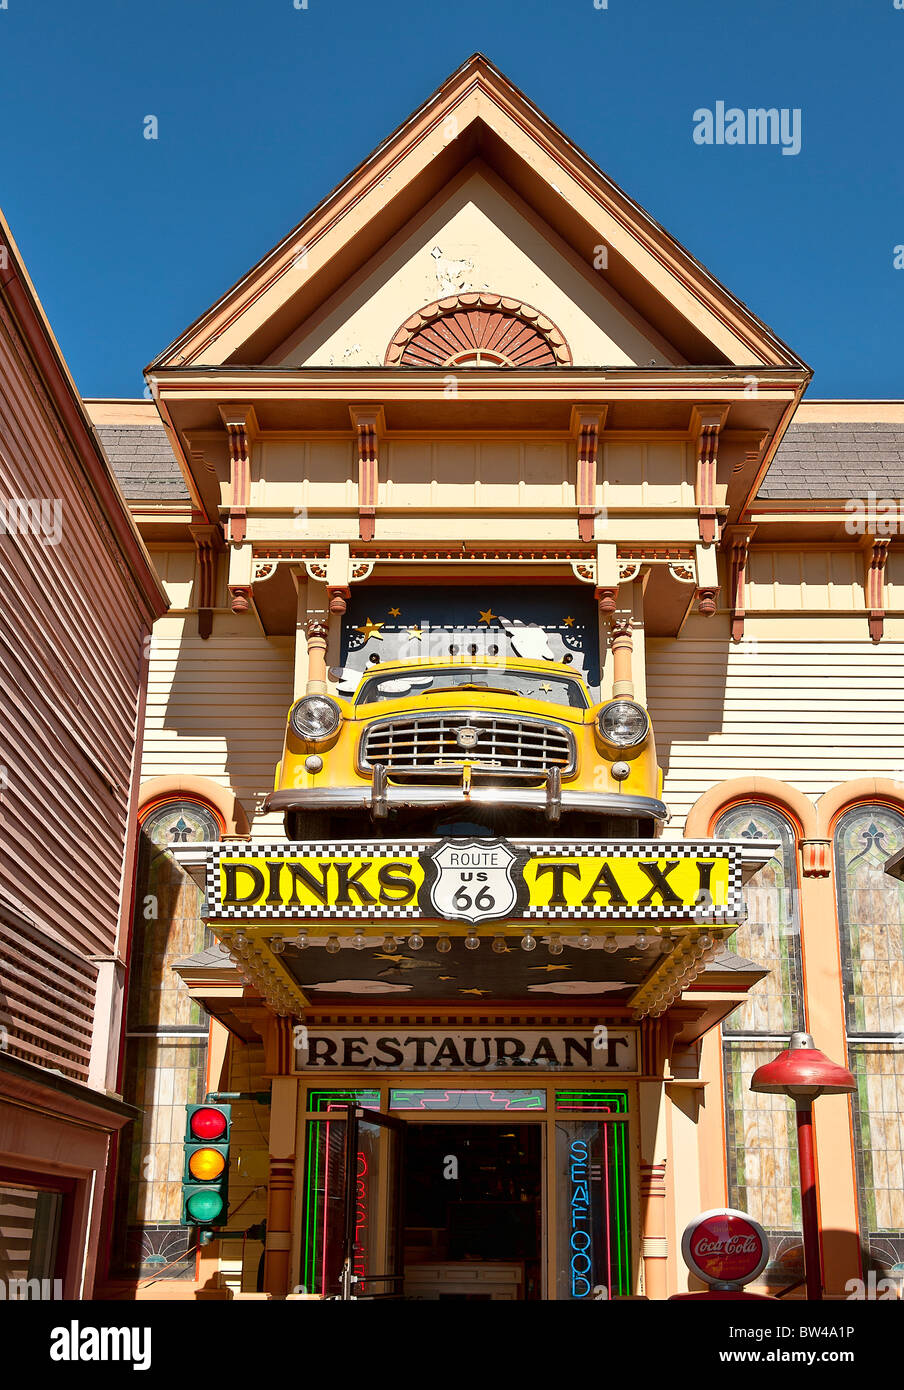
[(71, 655), (807, 711), (217, 708)]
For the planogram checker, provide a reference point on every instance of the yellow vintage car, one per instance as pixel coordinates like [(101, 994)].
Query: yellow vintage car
[(447, 747)]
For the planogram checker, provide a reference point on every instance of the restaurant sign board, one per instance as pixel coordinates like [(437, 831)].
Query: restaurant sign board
[(401, 1049), (476, 880)]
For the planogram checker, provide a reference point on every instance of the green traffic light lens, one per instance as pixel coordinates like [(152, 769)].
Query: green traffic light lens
[(204, 1206)]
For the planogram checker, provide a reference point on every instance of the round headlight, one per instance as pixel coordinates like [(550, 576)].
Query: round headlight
[(624, 723), (315, 717)]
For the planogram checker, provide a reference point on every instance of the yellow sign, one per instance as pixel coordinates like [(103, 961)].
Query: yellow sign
[(477, 880)]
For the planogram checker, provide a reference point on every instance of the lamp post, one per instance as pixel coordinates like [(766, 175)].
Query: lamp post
[(803, 1073)]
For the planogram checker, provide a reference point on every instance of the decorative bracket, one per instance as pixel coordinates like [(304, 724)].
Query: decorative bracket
[(370, 424), (738, 540), (875, 587), (242, 429), (706, 422), (208, 543), (816, 858), (587, 425)]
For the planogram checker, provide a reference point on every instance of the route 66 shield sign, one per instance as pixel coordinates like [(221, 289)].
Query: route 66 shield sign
[(472, 881)]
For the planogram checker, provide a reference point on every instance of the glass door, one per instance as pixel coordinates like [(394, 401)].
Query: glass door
[(372, 1246)]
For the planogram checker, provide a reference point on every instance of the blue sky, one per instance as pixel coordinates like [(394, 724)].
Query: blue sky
[(263, 108)]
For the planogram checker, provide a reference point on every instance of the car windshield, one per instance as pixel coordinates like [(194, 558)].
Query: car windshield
[(532, 685)]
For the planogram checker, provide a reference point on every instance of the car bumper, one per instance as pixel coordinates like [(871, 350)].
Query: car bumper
[(529, 798)]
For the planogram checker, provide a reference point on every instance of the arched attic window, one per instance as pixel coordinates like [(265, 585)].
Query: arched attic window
[(478, 330)]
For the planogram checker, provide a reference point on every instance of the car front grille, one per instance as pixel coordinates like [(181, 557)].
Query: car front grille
[(425, 746)]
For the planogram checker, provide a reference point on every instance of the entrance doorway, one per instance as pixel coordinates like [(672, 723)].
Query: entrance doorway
[(472, 1212)]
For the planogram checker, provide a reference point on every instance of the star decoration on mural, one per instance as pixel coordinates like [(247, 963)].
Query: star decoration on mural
[(395, 612), (569, 622), (415, 634), (369, 629), (487, 617), (384, 955), (547, 968), (473, 991)]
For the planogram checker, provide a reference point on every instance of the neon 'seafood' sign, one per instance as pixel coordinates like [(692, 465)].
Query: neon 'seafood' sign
[(581, 1243)]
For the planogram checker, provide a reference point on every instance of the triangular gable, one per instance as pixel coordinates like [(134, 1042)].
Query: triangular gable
[(652, 297)]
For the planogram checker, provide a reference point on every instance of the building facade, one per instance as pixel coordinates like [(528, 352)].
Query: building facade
[(523, 736), (79, 598)]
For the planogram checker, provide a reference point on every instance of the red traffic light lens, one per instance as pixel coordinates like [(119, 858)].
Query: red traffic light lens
[(208, 1123)]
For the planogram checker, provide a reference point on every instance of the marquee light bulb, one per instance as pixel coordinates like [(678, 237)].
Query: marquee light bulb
[(585, 941), (333, 945), (415, 941), (642, 941), (301, 940), (277, 945), (443, 944), (499, 945), (389, 943), (555, 944), (359, 941), (528, 941), (611, 943), (472, 941)]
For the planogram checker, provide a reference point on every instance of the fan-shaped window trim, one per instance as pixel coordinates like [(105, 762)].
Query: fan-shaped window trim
[(463, 306)]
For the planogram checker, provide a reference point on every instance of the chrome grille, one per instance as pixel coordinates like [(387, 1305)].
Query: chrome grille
[(506, 746)]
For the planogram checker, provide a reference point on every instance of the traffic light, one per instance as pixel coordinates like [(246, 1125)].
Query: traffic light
[(205, 1174)]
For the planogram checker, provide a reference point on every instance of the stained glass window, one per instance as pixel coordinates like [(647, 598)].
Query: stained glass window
[(771, 934), (871, 924), (761, 1138), (166, 1047)]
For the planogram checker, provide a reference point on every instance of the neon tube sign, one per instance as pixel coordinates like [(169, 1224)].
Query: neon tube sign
[(581, 1242)]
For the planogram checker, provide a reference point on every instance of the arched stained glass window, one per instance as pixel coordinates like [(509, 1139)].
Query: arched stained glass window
[(761, 1136), (166, 1045), (771, 934), (871, 925)]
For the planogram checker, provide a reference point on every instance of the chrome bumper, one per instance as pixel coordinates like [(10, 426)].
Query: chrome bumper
[(378, 798)]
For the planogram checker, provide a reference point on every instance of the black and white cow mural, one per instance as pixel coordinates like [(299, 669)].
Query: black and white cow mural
[(411, 623)]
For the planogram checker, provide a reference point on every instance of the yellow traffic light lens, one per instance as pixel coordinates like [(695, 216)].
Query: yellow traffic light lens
[(206, 1164)]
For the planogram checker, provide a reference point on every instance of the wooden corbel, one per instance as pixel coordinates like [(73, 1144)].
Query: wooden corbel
[(587, 426), (208, 544), (737, 543), (706, 422), (242, 429), (370, 424), (875, 586)]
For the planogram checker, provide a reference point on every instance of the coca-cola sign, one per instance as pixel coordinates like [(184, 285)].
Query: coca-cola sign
[(725, 1247)]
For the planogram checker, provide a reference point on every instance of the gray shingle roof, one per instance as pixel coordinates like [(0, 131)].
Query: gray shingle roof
[(143, 462), (849, 459)]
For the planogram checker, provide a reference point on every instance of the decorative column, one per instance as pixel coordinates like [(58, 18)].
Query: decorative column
[(875, 587), (622, 651), (370, 424), (707, 579), (240, 564), (654, 1245), (587, 425), (607, 578), (277, 1034), (706, 422), (317, 634), (241, 429), (208, 543)]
